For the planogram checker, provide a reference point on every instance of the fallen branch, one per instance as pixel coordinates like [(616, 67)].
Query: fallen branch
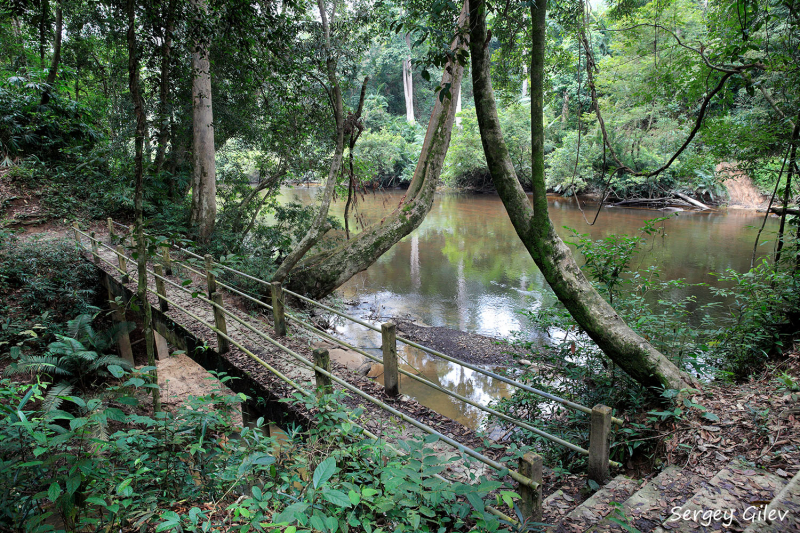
[(692, 201)]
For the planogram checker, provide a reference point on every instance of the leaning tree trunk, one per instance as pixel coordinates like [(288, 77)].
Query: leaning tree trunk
[(321, 274), (631, 352), (204, 173)]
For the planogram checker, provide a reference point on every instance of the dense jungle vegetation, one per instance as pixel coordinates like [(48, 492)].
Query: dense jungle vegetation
[(188, 117)]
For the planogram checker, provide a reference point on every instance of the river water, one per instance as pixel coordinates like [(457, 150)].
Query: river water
[(465, 268)]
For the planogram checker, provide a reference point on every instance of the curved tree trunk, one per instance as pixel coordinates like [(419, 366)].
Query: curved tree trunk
[(631, 352), (204, 173), (321, 274)]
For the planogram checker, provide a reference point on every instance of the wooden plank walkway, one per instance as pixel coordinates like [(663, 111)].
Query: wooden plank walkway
[(266, 389)]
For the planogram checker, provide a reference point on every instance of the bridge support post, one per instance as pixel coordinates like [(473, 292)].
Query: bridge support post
[(391, 378), (278, 309), (123, 263), (322, 360), (530, 465), (167, 261), (110, 222), (223, 345), (160, 288), (123, 339), (95, 253), (599, 443), (162, 348)]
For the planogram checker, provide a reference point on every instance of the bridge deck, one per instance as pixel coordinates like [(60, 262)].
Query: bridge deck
[(299, 340)]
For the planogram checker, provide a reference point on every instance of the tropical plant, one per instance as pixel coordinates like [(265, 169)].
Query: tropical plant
[(78, 357)]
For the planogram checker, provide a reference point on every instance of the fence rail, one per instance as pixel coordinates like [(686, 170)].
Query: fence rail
[(601, 419)]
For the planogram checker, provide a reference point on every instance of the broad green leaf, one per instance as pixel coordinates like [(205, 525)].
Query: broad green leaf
[(324, 471)]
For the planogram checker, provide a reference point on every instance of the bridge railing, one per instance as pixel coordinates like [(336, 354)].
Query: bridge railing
[(600, 422)]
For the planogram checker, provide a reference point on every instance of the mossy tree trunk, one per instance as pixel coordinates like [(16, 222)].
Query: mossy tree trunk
[(601, 322), (321, 274)]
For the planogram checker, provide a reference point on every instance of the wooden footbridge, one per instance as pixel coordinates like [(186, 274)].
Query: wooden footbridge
[(194, 310)]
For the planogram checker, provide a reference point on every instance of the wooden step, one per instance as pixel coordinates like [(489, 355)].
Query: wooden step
[(597, 507), (647, 508), (783, 513), (723, 503)]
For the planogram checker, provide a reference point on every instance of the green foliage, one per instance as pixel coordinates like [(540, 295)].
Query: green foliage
[(79, 356), (99, 466), (42, 274), (465, 164)]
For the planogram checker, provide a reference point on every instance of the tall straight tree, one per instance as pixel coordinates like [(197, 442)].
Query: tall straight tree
[(138, 108), (408, 83), (204, 172), (531, 220)]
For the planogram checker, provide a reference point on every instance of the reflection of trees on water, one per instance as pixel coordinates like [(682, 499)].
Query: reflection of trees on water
[(468, 383)]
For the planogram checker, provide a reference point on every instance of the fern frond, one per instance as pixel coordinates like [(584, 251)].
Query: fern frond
[(107, 338), (80, 327), (106, 360), (38, 364), (55, 396)]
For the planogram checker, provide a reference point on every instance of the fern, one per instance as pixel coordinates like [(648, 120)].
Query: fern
[(38, 364), (55, 396)]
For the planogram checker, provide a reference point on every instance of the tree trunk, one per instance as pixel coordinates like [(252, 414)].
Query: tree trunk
[(532, 223), (43, 19), (408, 85), (163, 89), (787, 191), (204, 173), (51, 74), (524, 80), (321, 274), (458, 108), (320, 225), (138, 106)]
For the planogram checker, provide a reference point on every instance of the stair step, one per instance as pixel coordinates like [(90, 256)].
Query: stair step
[(729, 493), (650, 505), (596, 507), (783, 511)]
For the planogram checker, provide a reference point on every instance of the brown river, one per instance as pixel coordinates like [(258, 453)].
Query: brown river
[(465, 268)]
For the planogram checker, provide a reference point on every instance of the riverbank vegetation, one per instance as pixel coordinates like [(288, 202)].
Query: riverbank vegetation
[(187, 118)]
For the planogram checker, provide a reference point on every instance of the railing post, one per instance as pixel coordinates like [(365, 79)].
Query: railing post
[(599, 443), (76, 234), (391, 381), (110, 230), (95, 253), (322, 360), (160, 288), (132, 235), (277, 309), (210, 278), (123, 263), (530, 466), (223, 345), (167, 261)]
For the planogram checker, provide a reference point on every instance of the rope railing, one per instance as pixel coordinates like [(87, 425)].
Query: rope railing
[(418, 378), (457, 445), (600, 415)]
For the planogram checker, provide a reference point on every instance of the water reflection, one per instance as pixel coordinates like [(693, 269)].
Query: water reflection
[(465, 268)]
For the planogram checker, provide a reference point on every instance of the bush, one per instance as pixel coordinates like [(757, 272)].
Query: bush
[(98, 466)]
